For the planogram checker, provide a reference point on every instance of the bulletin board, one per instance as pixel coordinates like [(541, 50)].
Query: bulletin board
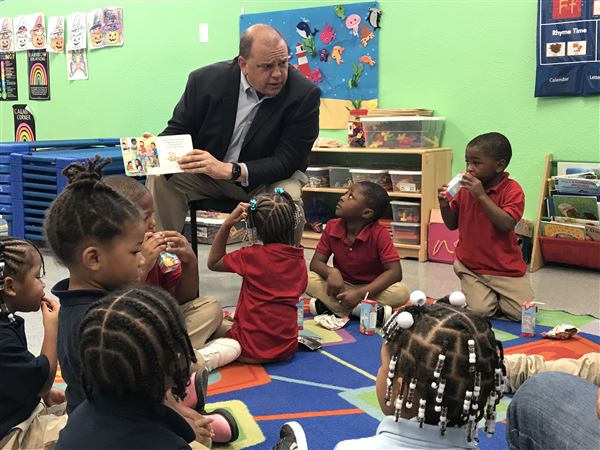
[(568, 48), (336, 47)]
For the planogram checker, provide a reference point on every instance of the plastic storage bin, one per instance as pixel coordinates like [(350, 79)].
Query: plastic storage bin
[(568, 251), (340, 177), (406, 211), (406, 233), (403, 131), (209, 226), (379, 176), (406, 180), (318, 177)]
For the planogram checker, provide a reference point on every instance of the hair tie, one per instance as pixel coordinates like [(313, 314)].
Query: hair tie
[(405, 320), (457, 298)]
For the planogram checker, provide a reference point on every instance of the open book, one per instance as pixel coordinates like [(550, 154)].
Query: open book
[(155, 155)]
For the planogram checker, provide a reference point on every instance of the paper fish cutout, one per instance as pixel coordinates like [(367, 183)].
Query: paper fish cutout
[(367, 60), (339, 11), (328, 34)]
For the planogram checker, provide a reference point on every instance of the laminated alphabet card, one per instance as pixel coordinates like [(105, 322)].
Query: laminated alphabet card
[(155, 155)]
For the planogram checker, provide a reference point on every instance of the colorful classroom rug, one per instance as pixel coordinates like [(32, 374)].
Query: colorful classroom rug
[(331, 392)]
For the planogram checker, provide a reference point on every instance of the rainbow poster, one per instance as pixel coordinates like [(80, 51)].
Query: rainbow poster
[(39, 77), (8, 77), (24, 123)]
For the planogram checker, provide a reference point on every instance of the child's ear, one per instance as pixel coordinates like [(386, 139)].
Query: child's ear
[(9, 287), (367, 213), (90, 257), (501, 165)]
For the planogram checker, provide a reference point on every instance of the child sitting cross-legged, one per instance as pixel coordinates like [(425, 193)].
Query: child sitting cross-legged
[(274, 276), (27, 422), (441, 373), (204, 315), (364, 257), (135, 360)]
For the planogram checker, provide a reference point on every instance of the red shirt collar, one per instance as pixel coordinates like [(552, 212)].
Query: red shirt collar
[(338, 230), (500, 184)]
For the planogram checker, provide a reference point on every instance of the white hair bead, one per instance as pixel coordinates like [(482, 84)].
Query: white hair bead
[(405, 320), (418, 298), (457, 298)]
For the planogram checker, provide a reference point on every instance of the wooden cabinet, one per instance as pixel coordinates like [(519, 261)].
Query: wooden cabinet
[(434, 164)]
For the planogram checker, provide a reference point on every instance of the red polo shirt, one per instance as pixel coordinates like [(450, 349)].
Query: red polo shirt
[(361, 261), (266, 322), (167, 281), (482, 247)]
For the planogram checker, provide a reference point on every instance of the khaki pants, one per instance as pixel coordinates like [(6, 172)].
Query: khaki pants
[(394, 296), (171, 196), (486, 293), (39, 431), (520, 367)]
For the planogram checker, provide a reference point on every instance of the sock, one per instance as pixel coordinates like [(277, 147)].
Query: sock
[(317, 307)]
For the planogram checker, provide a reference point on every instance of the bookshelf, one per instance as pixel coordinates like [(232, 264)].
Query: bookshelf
[(574, 252), (434, 164)]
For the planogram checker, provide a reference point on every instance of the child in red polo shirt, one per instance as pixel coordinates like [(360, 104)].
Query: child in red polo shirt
[(364, 257), (274, 277), (485, 210)]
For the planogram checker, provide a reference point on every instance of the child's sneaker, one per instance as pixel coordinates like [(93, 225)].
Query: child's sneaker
[(317, 307), (220, 352), (384, 312), (291, 437), (224, 426)]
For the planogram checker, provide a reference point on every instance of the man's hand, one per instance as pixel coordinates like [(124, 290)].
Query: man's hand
[(474, 185), (200, 161), (335, 282), (350, 298)]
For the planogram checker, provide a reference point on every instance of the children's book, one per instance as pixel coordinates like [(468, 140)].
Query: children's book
[(576, 206), (576, 185), (155, 155), (576, 221), (563, 230), (592, 232)]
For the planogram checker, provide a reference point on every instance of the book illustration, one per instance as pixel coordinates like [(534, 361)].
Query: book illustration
[(154, 155), (577, 207), (561, 219), (592, 232), (569, 168), (577, 185), (563, 230)]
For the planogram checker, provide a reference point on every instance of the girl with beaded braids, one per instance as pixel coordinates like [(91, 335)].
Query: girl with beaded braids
[(25, 380), (441, 372), (274, 276), (134, 349)]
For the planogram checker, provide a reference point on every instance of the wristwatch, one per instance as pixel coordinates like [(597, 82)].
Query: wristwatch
[(236, 171)]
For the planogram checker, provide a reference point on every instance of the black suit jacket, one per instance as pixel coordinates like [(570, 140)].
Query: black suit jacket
[(281, 135)]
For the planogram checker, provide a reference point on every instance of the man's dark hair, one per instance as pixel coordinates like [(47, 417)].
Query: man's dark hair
[(494, 145), (247, 39), (376, 198)]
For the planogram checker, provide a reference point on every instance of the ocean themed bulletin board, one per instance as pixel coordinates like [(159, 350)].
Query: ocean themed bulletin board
[(568, 48), (336, 47)]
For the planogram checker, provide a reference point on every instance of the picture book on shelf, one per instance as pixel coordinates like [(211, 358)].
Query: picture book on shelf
[(592, 232), (155, 155), (568, 168), (576, 206), (563, 230)]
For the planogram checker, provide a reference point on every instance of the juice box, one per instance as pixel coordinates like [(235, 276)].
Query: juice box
[(300, 309), (368, 316), (528, 315)]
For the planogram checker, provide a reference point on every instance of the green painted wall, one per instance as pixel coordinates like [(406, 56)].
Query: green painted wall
[(471, 61)]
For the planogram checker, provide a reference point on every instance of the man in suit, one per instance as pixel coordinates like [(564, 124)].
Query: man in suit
[(252, 123)]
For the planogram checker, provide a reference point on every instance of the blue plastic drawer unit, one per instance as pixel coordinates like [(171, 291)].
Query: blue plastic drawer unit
[(35, 177)]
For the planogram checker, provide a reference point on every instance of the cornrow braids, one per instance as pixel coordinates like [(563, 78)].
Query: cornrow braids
[(86, 211), (450, 364), (275, 217), (130, 341), (15, 260)]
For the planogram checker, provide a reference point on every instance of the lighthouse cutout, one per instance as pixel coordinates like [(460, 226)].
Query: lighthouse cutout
[(303, 65)]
